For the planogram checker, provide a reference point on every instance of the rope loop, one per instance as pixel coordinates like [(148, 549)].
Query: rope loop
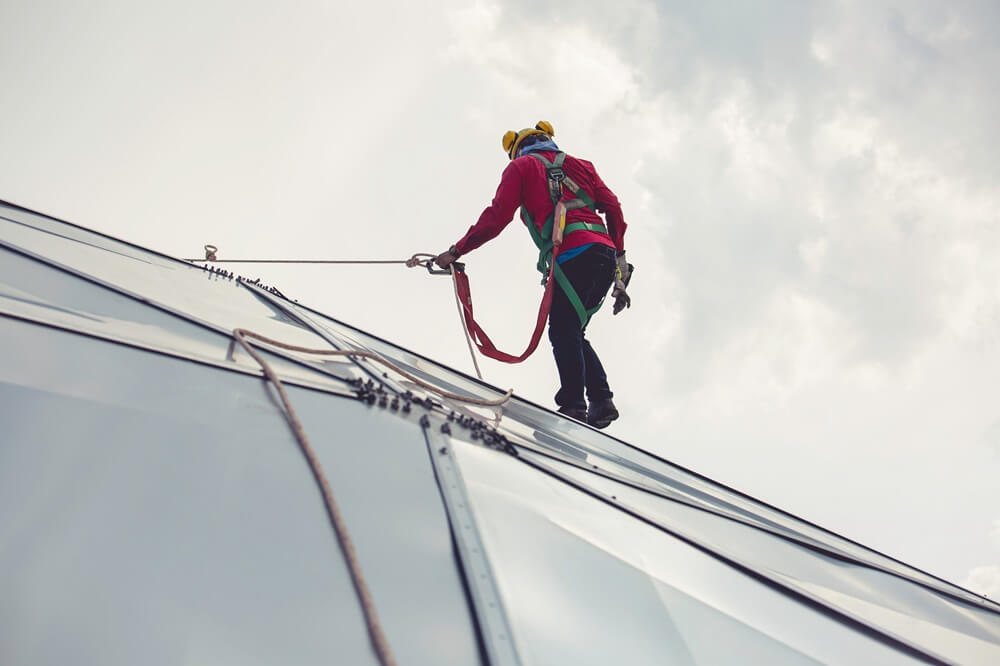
[(415, 260), (241, 333)]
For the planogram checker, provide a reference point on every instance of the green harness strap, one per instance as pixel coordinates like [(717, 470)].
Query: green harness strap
[(543, 237)]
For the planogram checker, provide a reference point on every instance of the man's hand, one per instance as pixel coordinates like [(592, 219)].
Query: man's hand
[(622, 299), (445, 259), (623, 273)]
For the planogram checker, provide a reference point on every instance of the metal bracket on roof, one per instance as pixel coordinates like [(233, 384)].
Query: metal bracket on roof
[(490, 614)]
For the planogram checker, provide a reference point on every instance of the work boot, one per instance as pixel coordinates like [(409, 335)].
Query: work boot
[(574, 413), (601, 413)]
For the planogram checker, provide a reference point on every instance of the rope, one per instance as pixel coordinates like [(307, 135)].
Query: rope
[(375, 631), (241, 335), (461, 318), (357, 353), (418, 259)]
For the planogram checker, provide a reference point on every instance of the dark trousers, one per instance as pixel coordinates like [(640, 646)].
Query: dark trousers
[(591, 273)]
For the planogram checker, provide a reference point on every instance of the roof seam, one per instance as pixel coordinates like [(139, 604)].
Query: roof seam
[(803, 542), (842, 616), (155, 304), (163, 351)]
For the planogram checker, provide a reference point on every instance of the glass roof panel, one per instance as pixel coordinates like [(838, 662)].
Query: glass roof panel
[(525, 421), (584, 583), (34, 290), (64, 229), (884, 600), (169, 505), (180, 287), (551, 431), (139, 526)]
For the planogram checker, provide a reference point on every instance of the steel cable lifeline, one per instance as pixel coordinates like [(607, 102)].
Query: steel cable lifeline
[(418, 259), (474, 333)]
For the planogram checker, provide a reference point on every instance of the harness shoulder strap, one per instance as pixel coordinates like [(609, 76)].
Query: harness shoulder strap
[(541, 158), (554, 174), (556, 177)]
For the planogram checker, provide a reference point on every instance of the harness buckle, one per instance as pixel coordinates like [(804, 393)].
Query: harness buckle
[(556, 177)]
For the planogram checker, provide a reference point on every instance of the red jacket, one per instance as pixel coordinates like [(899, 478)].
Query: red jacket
[(524, 183)]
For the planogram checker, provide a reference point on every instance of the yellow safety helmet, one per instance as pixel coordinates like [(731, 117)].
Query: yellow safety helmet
[(512, 140)]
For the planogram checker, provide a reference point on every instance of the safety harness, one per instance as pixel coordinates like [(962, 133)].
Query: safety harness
[(552, 234), (548, 240)]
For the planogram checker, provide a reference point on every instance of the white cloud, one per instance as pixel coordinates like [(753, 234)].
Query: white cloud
[(813, 252), (820, 50), (985, 581)]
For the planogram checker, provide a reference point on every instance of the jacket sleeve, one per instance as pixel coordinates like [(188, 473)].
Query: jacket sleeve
[(498, 214), (608, 203)]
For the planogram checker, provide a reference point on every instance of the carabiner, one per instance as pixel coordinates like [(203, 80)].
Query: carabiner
[(459, 266)]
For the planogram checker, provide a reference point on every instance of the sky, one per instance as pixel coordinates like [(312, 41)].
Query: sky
[(812, 190)]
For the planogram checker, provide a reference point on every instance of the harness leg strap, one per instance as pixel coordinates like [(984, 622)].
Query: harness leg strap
[(574, 298)]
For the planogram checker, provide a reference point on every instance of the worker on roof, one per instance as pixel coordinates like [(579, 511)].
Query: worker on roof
[(560, 197)]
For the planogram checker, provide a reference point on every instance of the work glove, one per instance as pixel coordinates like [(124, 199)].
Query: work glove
[(623, 273), (447, 257)]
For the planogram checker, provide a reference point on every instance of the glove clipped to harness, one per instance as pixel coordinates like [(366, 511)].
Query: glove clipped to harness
[(623, 273)]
